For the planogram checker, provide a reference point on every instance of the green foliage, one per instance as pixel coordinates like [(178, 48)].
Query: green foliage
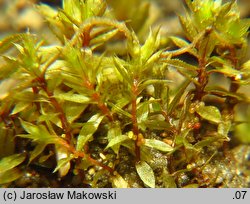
[(159, 145), (8, 170), (118, 117), (146, 173), (209, 113)]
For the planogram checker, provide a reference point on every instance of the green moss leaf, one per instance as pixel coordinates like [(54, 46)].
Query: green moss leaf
[(219, 91), (73, 110), (37, 151), (207, 45), (20, 106), (88, 129), (151, 44), (8, 163), (205, 143), (73, 9), (175, 101), (181, 43), (29, 59), (210, 113), (238, 28), (159, 145), (179, 64), (156, 124), (224, 128), (119, 107), (153, 60), (146, 174), (142, 111), (229, 71), (7, 42), (148, 82), (122, 70), (224, 9), (10, 175), (134, 46), (7, 145), (58, 26), (62, 163), (115, 137), (168, 180), (188, 27), (77, 98), (63, 160), (118, 139), (119, 182), (100, 39), (39, 133)]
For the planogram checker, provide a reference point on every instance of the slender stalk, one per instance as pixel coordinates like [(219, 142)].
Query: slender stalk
[(134, 119), (101, 21), (83, 155), (36, 91), (65, 124), (202, 80), (67, 129), (233, 86), (97, 98), (202, 75), (86, 37), (174, 130)]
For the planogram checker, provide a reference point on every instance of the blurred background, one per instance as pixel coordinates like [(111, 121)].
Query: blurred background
[(18, 15)]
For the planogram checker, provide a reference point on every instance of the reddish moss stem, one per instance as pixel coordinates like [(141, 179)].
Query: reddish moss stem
[(202, 73), (36, 91), (202, 79), (86, 37), (65, 125), (233, 86), (97, 98), (102, 106), (67, 129), (83, 155), (134, 119)]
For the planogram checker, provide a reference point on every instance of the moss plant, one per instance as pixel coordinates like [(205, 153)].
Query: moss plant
[(101, 107)]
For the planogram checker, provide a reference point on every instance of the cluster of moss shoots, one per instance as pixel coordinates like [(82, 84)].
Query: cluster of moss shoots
[(100, 103)]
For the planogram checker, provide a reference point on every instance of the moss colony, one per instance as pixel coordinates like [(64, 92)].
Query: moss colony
[(111, 100)]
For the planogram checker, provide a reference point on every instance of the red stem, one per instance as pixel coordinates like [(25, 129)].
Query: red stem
[(67, 129), (233, 86), (202, 74), (134, 120), (86, 37), (97, 98), (82, 155), (65, 125)]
